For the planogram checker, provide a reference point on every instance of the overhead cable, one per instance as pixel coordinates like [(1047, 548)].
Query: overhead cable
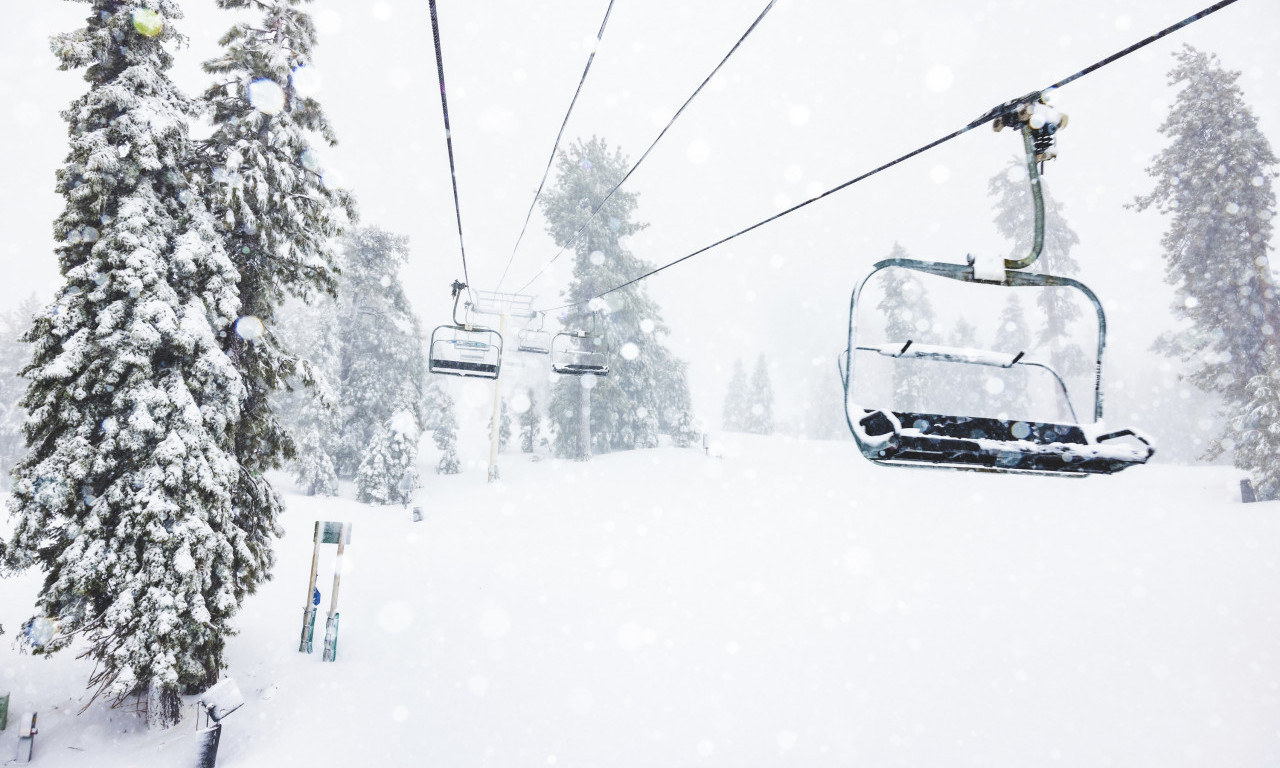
[(448, 138), (556, 145), (985, 118), (661, 133)]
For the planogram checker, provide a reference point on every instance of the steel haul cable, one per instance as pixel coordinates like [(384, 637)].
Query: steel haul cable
[(987, 117), (661, 133), (448, 138), (556, 145)]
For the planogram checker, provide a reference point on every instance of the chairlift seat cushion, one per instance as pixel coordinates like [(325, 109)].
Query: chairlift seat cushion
[(463, 368), (986, 443)]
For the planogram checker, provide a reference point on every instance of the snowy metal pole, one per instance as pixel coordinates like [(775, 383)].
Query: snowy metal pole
[(331, 624), (309, 612), (497, 412)]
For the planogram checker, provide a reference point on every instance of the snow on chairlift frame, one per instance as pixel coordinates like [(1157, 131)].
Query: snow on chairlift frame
[(579, 353), (463, 349), (988, 444)]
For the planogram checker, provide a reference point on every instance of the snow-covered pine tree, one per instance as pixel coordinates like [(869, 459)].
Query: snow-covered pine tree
[(445, 436), (1012, 336), (626, 408), (965, 382), (1059, 307), (310, 412), (312, 467), (530, 424), (382, 370), (737, 400), (908, 317), (1214, 182), (390, 455), (1257, 427), (684, 433), (760, 412), (504, 427), (124, 495), (261, 179)]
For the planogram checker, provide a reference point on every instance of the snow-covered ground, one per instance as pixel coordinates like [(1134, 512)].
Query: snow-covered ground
[(788, 603)]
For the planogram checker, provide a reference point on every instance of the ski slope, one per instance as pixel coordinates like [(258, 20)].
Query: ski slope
[(787, 603)]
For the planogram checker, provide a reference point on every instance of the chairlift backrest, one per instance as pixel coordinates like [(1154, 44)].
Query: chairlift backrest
[(537, 342)]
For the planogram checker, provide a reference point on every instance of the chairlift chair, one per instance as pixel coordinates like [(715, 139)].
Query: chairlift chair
[(463, 349), (579, 353), (907, 438), (534, 340)]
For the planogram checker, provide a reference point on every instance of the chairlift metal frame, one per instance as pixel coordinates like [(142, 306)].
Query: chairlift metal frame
[(570, 356), (534, 340), (898, 438), (465, 349)]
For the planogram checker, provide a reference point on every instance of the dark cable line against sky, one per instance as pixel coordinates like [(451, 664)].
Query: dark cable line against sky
[(982, 120), (556, 145), (596, 210), (448, 138)]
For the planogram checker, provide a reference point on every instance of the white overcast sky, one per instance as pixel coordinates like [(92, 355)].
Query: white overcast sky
[(821, 92)]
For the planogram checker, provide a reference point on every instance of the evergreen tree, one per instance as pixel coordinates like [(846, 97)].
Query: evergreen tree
[(1059, 309), (310, 413), (760, 413), (824, 417), (530, 424), (684, 433), (1213, 182), (124, 496), (277, 219), (737, 405), (627, 408), (504, 427), (1012, 336), (312, 467), (966, 382), (908, 317), (445, 436), (385, 462), (381, 367), (1258, 429)]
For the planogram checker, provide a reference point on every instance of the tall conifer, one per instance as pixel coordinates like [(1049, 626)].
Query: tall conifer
[(277, 218), (644, 393), (124, 496), (1214, 184)]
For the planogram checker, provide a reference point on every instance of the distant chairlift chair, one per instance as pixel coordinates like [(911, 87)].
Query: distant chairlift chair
[(534, 340), (580, 353), (980, 443), (463, 349)]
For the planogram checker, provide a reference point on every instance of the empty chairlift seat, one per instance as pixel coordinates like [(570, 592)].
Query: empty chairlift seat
[(534, 340), (902, 437), (466, 351)]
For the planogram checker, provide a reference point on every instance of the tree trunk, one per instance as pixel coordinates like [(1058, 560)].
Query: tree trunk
[(164, 708)]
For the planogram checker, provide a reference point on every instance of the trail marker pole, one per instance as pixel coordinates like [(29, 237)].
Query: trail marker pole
[(325, 533), (26, 736), (331, 623)]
